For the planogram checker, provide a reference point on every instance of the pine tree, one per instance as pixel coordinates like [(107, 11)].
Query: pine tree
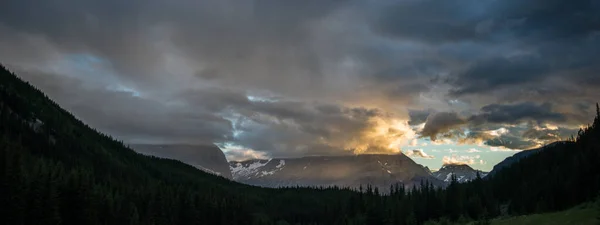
[(596, 123), (597, 110)]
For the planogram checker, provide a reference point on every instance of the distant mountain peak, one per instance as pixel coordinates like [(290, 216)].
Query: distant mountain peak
[(463, 173)]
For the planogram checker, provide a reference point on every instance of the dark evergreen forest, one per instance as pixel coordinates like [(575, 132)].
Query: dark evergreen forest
[(54, 169)]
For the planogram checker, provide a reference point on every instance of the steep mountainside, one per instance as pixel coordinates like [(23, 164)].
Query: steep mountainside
[(523, 154), (463, 173), (380, 171), (208, 158)]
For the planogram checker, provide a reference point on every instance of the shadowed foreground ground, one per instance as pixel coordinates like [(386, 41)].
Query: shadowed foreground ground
[(576, 216)]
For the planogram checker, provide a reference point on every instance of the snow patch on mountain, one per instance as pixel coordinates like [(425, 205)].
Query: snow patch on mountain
[(281, 164), (244, 170), (448, 177)]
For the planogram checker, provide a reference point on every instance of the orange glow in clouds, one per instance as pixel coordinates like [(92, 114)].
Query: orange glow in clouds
[(385, 136)]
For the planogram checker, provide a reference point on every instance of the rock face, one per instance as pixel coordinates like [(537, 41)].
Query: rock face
[(524, 154), (463, 173), (380, 171), (208, 158)]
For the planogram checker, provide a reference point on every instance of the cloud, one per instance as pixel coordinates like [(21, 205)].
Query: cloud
[(512, 142), (135, 119), (472, 150), (239, 153), (289, 128), (515, 126), (462, 159), (515, 113), (549, 133), (491, 74), (440, 123), (502, 149), (430, 21), (418, 116), (283, 78), (418, 153)]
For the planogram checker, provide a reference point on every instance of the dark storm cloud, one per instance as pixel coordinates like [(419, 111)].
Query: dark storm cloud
[(505, 47), (194, 64), (441, 122), (228, 37), (418, 116), (132, 118), (516, 113), (555, 70), (552, 19), (489, 75), (474, 20), (553, 44), (513, 126), (404, 90), (431, 21), (310, 77)]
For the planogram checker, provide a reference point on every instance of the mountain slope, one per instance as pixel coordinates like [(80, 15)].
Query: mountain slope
[(208, 158), (380, 171), (556, 178), (463, 173), (523, 154)]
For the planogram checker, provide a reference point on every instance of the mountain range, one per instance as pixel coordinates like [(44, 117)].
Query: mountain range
[(381, 171)]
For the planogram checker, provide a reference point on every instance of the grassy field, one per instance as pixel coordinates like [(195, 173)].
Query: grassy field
[(576, 216)]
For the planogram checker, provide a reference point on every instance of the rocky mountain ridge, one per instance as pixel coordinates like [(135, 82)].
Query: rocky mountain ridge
[(380, 171), (462, 172)]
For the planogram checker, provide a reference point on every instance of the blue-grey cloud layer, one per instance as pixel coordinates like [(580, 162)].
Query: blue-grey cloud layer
[(303, 77)]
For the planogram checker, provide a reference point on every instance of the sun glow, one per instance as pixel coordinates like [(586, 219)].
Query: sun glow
[(386, 136)]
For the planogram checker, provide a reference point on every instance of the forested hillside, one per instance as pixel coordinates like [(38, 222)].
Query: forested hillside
[(56, 170)]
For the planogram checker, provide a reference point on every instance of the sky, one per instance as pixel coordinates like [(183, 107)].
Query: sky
[(464, 81)]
